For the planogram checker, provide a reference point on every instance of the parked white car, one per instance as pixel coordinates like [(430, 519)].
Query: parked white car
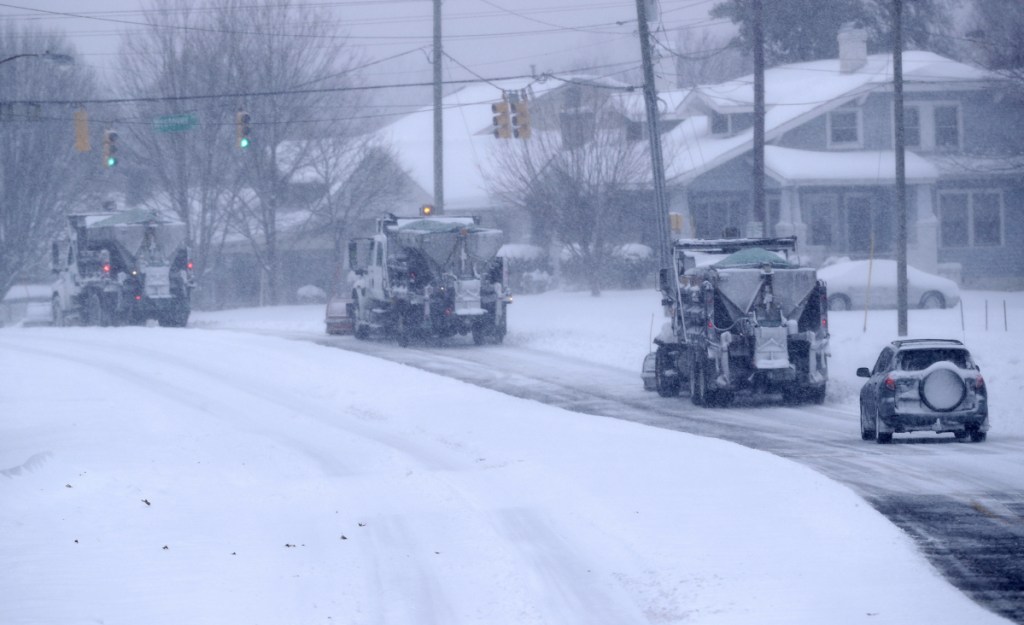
[(847, 283)]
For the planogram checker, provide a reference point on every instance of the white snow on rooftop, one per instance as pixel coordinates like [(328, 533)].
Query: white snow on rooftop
[(873, 167), (793, 94)]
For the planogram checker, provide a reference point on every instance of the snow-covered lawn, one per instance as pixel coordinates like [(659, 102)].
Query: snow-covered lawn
[(152, 475)]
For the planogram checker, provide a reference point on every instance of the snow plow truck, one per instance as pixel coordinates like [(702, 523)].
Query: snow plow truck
[(743, 319), (429, 278), (122, 267)]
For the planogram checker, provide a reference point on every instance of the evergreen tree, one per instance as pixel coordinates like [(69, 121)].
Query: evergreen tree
[(805, 30)]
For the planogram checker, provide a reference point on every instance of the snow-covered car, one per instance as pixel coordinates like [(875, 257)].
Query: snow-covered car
[(38, 314), (338, 317), (923, 384), (848, 280)]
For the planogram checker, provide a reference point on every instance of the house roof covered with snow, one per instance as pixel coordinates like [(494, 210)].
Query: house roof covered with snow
[(788, 165), (794, 94), (467, 122)]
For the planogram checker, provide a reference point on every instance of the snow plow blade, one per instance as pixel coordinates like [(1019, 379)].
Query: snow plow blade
[(339, 318)]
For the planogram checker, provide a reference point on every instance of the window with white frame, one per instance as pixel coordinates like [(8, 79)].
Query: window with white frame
[(971, 218), (946, 119), (932, 126), (912, 126), (844, 128)]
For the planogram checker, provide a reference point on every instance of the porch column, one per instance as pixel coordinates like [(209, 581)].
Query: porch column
[(791, 220), (679, 204), (923, 248)]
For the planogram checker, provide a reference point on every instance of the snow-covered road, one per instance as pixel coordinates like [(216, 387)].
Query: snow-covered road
[(203, 476), (963, 503)]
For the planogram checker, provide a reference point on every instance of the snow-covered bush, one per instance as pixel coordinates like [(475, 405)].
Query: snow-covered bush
[(626, 266), (528, 267), (311, 294)]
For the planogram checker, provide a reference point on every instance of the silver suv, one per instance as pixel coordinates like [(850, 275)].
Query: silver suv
[(923, 384)]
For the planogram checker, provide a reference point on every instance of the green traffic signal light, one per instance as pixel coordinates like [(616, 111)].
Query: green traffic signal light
[(243, 142), (111, 161)]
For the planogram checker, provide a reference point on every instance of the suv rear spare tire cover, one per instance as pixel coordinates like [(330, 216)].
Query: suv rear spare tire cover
[(943, 390)]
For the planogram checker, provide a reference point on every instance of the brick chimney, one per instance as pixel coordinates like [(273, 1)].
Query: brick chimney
[(853, 48)]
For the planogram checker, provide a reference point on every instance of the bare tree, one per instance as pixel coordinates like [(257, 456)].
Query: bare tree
[(576, 176), (304, 73), (189, 169), (280, 62), (41, 174), (996, 39), (361, 179)]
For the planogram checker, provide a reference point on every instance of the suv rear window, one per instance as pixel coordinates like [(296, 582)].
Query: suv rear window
[(919, 359)]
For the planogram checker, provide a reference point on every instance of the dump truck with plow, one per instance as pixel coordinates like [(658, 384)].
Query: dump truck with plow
[(743, 318), (427, 278), (122, 267)]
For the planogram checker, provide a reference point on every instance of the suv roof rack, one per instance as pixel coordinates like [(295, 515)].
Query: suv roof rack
[(902, 342)]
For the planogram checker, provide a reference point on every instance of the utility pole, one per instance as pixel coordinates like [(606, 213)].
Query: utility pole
[(901, 169), (438, 124), (760, 216), (654, 138)]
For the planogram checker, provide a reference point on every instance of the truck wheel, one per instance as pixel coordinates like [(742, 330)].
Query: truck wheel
[(362, 328), (59, 319), (667, 386), (402, 330), (500, 329), (174, 319), (94, 311)]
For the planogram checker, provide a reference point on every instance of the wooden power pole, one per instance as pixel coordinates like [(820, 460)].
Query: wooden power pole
[(759, 216), (901, 169), (654, 139), (438, 124)]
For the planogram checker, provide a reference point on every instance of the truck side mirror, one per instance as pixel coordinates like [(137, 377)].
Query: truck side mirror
[(663, 281), (359, 255), (55, 257)]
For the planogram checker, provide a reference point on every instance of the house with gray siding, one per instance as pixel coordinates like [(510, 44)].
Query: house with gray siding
[(830, 162)]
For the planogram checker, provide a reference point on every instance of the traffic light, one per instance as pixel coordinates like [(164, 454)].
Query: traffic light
[(242, 120), (502, 121), (426, 210), (110, 148), (521, 120)]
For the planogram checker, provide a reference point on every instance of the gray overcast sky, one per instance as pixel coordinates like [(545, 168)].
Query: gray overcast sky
[(487, 38)]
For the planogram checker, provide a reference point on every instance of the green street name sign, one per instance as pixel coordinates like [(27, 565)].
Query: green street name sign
[(175, 123)]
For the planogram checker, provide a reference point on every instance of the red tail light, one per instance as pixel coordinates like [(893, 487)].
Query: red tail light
[(823, 306), (890, 383), (979, 383), (138, 298), (106, 268), (189, 265)]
